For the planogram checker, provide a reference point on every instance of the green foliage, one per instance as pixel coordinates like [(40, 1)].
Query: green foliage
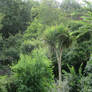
[(32, 37), (1, 18), (72, 10), (10, 49), (34, 31), (79, 53), (80, 30), (28, 46), (33, 73), (35, 12), (88, 67), (16, 16), (86, 81), (74, 79), (22, 25), (70, 5), (6, 83), (76, 56), (3, 83), (50, 14), (58, 36), (75, 25)]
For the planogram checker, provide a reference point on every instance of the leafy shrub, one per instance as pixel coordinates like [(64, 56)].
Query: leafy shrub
[(10, 55), (76, 56), (86, 81), (63, 88), (3, 83), (34, 31), (10, 48), (28, 46), (33, 73), (74, 79)]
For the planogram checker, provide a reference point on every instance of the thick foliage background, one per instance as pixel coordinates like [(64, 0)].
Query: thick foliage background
[(31, 32)]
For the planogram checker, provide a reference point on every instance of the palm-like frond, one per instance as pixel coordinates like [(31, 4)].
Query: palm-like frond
[(83, 34), (58, 35)]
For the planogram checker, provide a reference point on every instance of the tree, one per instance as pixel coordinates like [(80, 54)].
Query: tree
[(70, 5), (58, 38), (16, 16), (72, 9), (10, 49), (34, 30), (49, 12), (32, 37)]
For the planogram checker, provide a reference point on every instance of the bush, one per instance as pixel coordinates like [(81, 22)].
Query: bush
[(34, 31), (33, 73), (3, 83), (10, 49), (86, 81), (74, 79), (63, 88), (28, 46)]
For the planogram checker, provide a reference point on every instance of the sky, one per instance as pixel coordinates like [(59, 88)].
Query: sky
[(78, 0)]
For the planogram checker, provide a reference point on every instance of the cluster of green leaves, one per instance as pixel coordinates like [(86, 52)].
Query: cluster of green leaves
[(57, 36), (16, 16), (34, 30), (10, 49), (86, 80), (31, 74), (74, 79), (22, 25)]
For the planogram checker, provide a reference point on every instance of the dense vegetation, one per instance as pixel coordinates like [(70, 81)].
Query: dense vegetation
[(45, 46)]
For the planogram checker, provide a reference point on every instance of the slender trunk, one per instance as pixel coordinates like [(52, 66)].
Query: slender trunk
[(60, 67), (59, 71), (59, 55)]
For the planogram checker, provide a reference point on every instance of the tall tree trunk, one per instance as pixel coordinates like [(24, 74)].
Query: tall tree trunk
[(59, 56), (59, 71), (60, 67)]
